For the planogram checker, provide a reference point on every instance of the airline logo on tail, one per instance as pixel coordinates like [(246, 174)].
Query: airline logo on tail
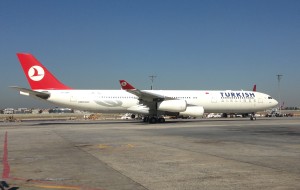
[(39, 78), (36, 73), (126, 86), (124, 83)]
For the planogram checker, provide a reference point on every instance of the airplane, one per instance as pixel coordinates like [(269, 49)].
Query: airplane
[(153, 104), (237, 114)]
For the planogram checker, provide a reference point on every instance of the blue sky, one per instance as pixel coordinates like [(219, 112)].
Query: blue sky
[(197, 45)]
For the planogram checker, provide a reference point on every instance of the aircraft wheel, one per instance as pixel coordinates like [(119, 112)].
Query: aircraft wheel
[(152, 120), (252, 116), (146, 119), (161, 120)]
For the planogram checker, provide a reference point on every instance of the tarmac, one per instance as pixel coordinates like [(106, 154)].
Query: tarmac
[(129, 155)]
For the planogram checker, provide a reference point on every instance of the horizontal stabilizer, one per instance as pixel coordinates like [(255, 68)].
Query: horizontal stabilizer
[(28, 92)]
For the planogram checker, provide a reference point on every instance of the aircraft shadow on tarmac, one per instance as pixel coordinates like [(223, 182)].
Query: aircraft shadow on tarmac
[(64, 122)]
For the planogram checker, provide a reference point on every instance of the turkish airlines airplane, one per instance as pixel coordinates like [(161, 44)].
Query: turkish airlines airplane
[(153, 104)]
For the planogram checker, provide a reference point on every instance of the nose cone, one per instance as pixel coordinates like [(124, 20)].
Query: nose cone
[(275, 103)]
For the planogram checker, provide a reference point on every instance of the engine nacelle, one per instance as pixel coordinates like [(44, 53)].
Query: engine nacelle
[(195, 111), (138, 109), (172, 105)]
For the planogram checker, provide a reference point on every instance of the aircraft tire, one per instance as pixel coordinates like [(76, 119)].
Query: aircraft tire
[(161, 120), (146, 119), (152, 120)]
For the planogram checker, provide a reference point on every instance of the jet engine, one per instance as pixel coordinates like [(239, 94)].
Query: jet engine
[(172, 105), (195, 111)]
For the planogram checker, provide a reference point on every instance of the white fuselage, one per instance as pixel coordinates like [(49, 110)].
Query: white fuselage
[(120, 101)]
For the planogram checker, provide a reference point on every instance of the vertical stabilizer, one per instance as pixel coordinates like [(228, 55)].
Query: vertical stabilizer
[(38, 76), (254, 88)]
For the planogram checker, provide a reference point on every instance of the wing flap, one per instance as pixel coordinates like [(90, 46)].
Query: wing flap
[(149, 96)]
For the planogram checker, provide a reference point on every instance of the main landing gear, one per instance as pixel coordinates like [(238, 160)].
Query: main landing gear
[(153, 119), (252, 116)]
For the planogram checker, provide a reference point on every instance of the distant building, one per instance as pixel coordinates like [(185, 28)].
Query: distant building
[(8, 111), (23, 111), (61, 110), (17, 111), (38, 111)]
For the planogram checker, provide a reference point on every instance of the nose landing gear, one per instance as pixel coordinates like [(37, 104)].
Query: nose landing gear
[(252, 116), (154, 119)]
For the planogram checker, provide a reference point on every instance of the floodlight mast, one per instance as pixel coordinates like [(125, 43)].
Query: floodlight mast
[(279, 76), (152, 77)]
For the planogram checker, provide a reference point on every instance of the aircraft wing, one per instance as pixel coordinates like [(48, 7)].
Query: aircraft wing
[(28, 92), (143, 95)]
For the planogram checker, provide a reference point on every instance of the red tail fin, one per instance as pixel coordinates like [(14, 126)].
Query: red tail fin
[(125, 85), (254, 88), (37, 75)]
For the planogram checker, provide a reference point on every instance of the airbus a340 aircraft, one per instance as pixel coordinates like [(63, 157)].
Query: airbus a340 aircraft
[(153, 104)]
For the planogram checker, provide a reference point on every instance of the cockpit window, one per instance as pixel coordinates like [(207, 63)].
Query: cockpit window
[(270, 97)]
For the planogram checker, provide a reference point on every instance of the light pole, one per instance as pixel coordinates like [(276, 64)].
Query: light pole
[(279, 97), (152, 77)]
